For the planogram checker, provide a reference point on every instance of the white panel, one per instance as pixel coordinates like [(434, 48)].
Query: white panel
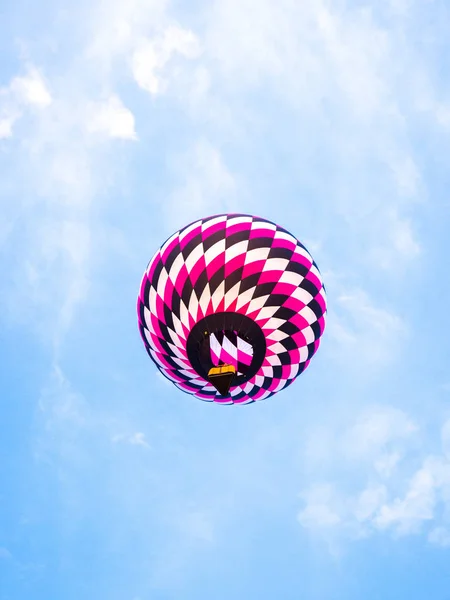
[(309, 335), (303, 354), (178, 327), (267, 312), (162, 282), (276, 264), (276, 335), (274, 323), (291, 278), (237, 220), (176, 351), (218, 295), (263, 225), (244, 298), (236, 250), (256, 254), (152, 300), (205, 298), (277, 348), (230, 348), (281, 235), (215, 346), (258, 303), (148, 320), (259, 380), (176, 268), (302, 295), (194, 257), (267, 371), (308, 314), (193, 306), (244, 346), (232, 294), (274, 360), (184, 314), (215, 251), (294, 370)]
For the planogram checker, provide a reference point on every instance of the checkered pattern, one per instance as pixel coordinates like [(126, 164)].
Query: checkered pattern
[(239, 264)]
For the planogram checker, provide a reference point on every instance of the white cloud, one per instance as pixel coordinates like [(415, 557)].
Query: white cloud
[(365, 332), (134, 439), (114, 27), (373, 431), (369, 501), (112, 118), (152, 55), (6, 125), (416, 499), (207, 186), (22, 92), (62, 406), (445, 438), (31, 89), (440, 536), (320, 507), (404, 241), (386, 464), (406, 515)]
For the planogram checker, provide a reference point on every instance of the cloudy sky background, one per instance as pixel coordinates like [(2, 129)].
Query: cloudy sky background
[(120, 122)]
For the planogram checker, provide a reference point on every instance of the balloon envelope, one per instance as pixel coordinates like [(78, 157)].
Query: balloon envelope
[(231, 308)]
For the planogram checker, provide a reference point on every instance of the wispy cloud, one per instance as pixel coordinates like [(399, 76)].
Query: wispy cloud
[(112, 118), (402, 500), (134, 439), (152, 57)]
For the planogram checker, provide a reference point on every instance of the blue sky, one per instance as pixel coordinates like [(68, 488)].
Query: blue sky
[(119, 123)]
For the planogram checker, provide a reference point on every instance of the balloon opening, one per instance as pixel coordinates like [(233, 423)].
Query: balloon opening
[(226, 340)]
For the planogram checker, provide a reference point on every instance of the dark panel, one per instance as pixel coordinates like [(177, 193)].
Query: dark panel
[(191, 245), (289, 343), (316, 329), (284, 313), (233, 278), (281, 253), (239, 236), (264, 289), (276, 300), (260, 242), (309, 286), (217, 279), (289, 328), (316, 308), (156, 273), (213, 239), (176, 251), (296, 267), (249, 282)]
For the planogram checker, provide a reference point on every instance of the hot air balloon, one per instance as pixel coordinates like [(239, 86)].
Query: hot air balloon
[(231, 308)]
